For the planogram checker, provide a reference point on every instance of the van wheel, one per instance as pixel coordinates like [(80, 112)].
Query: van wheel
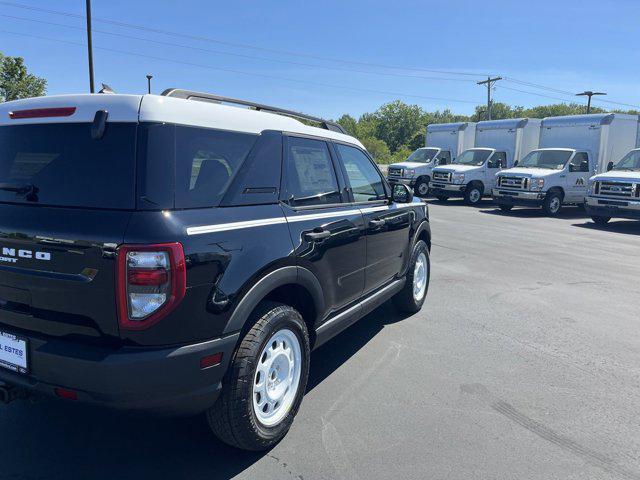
[(552, 204), (505, 208), (473, 194), (412, 296), (422, 186), (265, 383), (600, 220)]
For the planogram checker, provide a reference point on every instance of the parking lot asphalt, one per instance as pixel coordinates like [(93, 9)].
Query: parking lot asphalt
[(523, 364)]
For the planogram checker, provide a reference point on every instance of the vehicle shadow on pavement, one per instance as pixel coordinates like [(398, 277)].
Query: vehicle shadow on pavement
[(330, 356), (567, 213), (627, 227), (459, 202), (57, 439)]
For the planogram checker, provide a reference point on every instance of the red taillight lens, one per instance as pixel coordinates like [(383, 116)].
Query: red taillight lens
[(150, 283), (66, 394), (43, 113)]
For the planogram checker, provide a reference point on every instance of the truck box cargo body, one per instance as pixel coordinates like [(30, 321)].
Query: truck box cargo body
[(572, 148), (498, 144), (444, 142)]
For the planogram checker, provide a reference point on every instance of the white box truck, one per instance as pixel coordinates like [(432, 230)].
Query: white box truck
[(616, 193), (572, 149), (444, 142), (499, 143)]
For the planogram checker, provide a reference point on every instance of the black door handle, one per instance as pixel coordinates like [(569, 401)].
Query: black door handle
[(318, 235), (377, 223)]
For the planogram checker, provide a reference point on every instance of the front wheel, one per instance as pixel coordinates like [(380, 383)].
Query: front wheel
[(473, 195), (552, 204), (422, 187), (600, 220), (265, 383), (412, 296)]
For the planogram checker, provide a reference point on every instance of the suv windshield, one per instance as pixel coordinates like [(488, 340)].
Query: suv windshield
[(553, 159), (423, 155), (631, 161), (60, 164), (473, 157)]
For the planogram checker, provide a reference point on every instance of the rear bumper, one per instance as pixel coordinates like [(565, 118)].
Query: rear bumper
[(508, 197), (447, 189), (161, 380), (602, 207)]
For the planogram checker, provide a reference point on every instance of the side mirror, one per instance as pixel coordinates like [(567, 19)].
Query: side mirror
[(402, 193), (515, 164), (609, 166)]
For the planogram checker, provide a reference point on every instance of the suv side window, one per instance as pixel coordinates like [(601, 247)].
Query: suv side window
[(366, 183), (579, 163), (498, 160), (444, 158), (310, 175)]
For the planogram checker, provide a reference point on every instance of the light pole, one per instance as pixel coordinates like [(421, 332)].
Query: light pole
[(589, 93), (149, 77), (90, 47)]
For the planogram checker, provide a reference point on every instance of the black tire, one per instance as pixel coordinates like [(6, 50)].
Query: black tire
[(404, 300), (552, 204), (473, 194), (232, 419), (422, 187), (442, 198), (505, 208), (600, 220)]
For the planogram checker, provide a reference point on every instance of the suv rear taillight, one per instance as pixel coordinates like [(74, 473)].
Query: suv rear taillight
[(150, 282)]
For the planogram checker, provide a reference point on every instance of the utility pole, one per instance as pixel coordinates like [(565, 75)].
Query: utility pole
[(589, 93), (149, 77), (489, 83), (90, 47)]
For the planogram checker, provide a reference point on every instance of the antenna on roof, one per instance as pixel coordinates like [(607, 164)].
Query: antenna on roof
[(106, 89)]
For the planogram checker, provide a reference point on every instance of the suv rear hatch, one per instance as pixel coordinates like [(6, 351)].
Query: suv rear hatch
[(66, 197)]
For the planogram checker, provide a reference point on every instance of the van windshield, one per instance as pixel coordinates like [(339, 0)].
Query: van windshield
[(473, 157), (631, 161), (552, 159), (59, 164), (423, 155)]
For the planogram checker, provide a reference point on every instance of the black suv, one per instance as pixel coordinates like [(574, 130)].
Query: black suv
[(178, 254)]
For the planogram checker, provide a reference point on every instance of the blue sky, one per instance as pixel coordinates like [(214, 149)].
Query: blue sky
[(564, 44)]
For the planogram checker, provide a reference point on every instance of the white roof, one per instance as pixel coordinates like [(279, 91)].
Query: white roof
[(156, 108)]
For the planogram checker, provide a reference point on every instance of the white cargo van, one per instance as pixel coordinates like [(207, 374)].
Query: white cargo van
[(499, 143), (445, 141), (617, 192), (572, 149)]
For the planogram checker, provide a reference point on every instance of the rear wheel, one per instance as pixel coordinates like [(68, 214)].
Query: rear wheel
[(412, 296), (600, 220), (265, 383), (422, 187), (473, 194), (552, 204), (505, 208)]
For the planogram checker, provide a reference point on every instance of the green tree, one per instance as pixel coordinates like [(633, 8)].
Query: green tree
[(398, 123), (378, 149), (16, 82), (367, 126), (349, 124)]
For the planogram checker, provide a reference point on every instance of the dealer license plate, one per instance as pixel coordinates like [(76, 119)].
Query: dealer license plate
[(13, 353)]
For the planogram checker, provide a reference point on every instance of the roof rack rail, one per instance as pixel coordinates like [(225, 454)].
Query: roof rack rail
[(209, 97)]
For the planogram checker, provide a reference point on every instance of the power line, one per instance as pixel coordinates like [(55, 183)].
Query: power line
[(533, 93), (241, 72), (220, 52), (237, 45), (489, 82)]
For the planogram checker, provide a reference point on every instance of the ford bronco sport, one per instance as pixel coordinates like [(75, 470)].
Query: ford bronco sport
[(177, 253)]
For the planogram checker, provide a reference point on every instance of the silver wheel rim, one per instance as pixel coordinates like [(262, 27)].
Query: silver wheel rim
[(420, 277), (474, 196), (275, 384), (423, 188), (554, 205)]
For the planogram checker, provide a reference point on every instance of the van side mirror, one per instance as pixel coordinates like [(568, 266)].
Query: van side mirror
[(402, 193), (609, 166), (515, 164)]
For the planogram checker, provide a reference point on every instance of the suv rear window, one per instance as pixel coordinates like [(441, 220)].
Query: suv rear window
[(59, 164)]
